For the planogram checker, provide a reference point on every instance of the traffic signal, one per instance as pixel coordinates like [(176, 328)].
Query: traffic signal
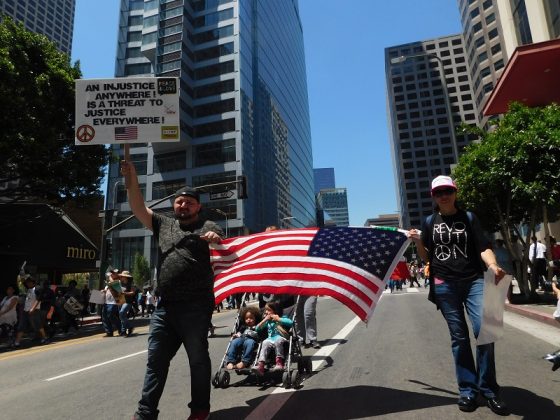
[(242, 187)]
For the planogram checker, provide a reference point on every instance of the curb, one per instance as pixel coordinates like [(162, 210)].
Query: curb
[(91, 321), (536, 315)]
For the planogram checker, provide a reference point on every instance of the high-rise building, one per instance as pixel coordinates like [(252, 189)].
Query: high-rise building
[(323, 178), (243, 108), (429, 93), (391, 220), (52, 18), (492, 29), (334, 202), (422, 134)]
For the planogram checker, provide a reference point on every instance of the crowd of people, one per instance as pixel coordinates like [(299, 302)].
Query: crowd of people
[(43, 311)]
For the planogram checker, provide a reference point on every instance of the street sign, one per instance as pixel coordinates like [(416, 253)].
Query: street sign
[(127, 110), (221, 195)]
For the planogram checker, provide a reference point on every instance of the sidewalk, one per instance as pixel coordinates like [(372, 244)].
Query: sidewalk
[(541, 311)]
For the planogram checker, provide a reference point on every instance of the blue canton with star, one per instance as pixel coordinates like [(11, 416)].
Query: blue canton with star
[(371, 249)]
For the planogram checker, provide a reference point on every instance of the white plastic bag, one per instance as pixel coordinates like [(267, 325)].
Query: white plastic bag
[(492, 327)]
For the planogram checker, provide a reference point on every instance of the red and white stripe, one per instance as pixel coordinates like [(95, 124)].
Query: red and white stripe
[(277, 262)]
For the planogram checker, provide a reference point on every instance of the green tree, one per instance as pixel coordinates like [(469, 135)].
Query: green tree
[(38, 157), (140, 270), (512, 176)]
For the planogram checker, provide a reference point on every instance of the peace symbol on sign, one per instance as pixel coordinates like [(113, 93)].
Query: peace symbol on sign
[(442, 252), (85, 133)]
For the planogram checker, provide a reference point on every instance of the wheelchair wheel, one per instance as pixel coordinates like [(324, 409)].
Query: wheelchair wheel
[(215, 380), (295, 379), (223, 379), (286, 379)]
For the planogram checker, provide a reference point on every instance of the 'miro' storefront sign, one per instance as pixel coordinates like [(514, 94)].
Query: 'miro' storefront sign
[(127, 110)]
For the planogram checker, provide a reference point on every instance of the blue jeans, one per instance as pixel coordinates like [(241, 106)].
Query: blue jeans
[(110, 317), (243, 345), (125, 323), (173, 324), (453, 298)]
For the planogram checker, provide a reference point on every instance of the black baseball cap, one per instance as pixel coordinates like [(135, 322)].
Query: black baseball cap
[(188, 192)]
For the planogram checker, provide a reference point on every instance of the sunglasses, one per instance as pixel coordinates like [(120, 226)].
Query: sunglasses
[(443, 191)]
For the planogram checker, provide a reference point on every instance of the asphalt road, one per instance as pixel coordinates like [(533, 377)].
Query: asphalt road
[(397, 367)]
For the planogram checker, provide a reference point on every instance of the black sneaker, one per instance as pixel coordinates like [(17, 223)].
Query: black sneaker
[(315, 345), (130, 331)]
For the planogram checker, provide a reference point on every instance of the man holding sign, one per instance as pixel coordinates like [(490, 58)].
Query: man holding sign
[(185, 290)]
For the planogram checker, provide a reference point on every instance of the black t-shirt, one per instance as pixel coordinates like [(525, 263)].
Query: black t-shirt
[(184, 270), (455, 244)]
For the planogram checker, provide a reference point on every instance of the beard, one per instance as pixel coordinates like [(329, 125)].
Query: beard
[(184, 215)]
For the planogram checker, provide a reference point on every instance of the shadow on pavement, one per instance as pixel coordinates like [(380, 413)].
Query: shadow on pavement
[(371, 401)]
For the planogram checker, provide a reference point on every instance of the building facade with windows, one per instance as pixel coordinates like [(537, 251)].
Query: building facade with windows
[(334, 203), (323, 178), (421, 91), (52, 18), (390, 220), (492, 29), (243, 108)]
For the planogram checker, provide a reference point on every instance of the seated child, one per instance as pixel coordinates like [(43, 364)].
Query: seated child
[(277, 327), (246, 339)]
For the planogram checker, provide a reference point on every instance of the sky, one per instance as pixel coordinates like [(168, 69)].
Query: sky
[(344, 48)]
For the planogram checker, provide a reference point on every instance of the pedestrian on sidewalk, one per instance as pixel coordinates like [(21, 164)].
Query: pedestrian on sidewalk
[(128, 292), (537, 255), (110, 314), (31, 316), (452, 242), (185, 287)]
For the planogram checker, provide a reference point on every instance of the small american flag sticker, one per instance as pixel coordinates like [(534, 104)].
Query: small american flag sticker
[(126, 133)]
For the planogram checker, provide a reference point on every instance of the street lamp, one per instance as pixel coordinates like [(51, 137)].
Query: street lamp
[(401, 59), (284, 221), (223, 213)]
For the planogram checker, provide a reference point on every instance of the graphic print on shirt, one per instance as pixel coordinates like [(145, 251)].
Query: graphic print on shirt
[(450, 241)]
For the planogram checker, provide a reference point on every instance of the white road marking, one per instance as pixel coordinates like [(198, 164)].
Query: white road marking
[(277, 398), (94, 366)]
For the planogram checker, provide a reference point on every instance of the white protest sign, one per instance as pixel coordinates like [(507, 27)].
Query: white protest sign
[(127, 110), (97, 296)]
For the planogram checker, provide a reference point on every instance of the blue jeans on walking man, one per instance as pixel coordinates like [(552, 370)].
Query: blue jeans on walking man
[(123, 315), (453, 299), (110, 317), (173, 324)]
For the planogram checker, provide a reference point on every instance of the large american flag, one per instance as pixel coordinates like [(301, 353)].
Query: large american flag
[(350, 264)]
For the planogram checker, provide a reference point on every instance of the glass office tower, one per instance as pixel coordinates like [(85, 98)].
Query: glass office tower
[(243, 108), (52, 18)]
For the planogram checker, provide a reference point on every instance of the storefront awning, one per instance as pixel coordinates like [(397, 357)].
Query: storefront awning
[(46, 238), (532, 77)]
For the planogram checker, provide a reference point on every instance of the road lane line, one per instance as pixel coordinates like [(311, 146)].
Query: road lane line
[(58, 345), (277, 398), (94, 366)]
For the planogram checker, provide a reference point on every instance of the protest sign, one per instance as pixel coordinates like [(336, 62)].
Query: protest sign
[(127, 110)]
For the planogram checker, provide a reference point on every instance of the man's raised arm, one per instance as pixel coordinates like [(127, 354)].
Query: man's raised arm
[(135, 198)]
